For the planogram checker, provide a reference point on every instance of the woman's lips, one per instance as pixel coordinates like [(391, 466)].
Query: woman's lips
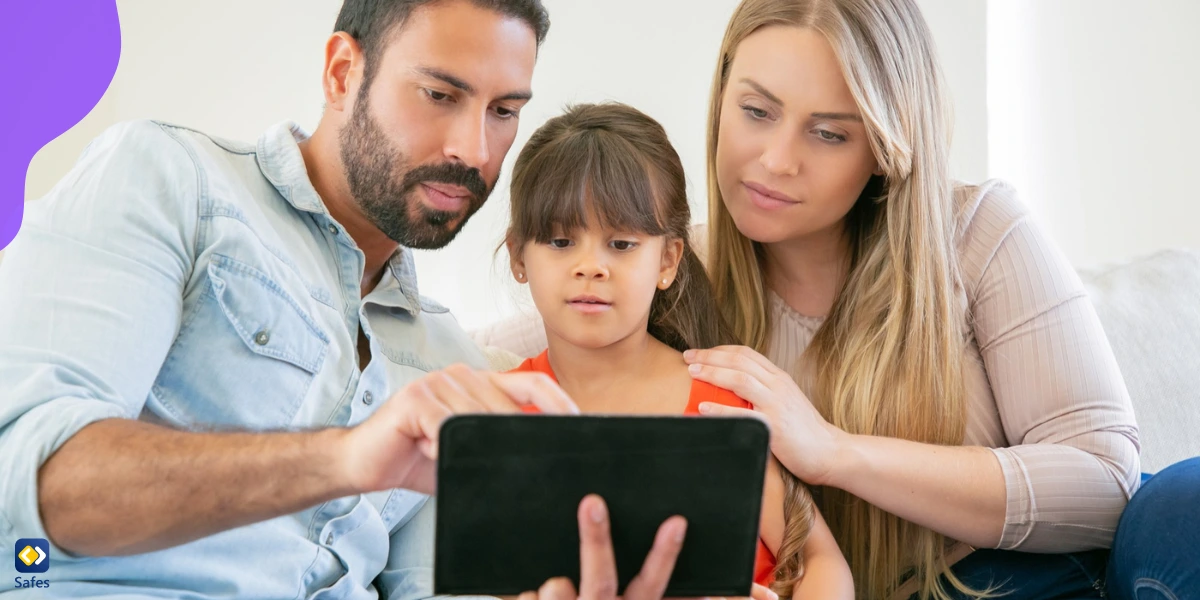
[(767, 198)]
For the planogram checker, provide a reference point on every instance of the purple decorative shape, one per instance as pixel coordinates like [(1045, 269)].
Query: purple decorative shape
[(62, 55)]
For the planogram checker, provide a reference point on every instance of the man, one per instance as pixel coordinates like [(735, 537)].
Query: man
[(197, 336)]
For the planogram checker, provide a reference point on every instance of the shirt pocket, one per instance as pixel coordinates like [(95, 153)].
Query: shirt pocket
[(246, 353)]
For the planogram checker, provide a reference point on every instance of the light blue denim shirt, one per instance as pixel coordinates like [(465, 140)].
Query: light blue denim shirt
[(185, 280)]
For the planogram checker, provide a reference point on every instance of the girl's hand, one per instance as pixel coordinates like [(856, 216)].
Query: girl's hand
[(801, 439)]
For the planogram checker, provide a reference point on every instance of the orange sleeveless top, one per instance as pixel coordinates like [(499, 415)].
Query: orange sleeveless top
[(764, 560)]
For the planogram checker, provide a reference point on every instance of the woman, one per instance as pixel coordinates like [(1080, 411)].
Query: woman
[(924, 355)]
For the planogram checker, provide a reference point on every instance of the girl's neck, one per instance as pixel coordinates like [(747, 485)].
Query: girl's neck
[(808, 272), (596, 378)]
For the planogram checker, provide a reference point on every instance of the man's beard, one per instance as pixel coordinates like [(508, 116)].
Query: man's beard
[(385, 186)]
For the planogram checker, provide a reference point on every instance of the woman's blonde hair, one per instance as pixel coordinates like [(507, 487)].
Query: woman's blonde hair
[(888, 359)]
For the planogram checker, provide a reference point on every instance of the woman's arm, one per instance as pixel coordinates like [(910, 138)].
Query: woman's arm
[(1072, 460), (957, 491)]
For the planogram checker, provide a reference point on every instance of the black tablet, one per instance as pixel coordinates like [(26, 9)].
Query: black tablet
[(509, 488)]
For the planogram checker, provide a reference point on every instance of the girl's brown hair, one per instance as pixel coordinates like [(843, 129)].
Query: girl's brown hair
[(614, 164)]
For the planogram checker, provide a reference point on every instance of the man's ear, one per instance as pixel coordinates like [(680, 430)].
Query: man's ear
[(672, 255), (344, 64), (516, 261)]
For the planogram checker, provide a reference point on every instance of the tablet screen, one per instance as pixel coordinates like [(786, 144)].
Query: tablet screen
[(509, 488)]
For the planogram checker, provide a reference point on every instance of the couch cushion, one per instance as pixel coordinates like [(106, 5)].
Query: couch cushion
[(1150, 308)]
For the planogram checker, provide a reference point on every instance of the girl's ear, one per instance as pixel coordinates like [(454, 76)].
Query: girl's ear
[(516, 261), (672, 254)]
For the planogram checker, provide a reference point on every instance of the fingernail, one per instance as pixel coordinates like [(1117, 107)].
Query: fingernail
[(705, 408), (772, 595), (689, 354), (693, 369), (679, 533), (597, 512)]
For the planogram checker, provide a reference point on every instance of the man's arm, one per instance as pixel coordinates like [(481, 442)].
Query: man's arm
[(124, 487)]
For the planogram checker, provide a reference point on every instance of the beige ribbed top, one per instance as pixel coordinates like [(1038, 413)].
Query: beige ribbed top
[(1043, 388)]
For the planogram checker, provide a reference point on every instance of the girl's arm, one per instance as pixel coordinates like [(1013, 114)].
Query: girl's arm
[(826, 574)]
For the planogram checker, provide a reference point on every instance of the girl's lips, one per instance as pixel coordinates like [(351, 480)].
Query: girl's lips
[(589, 305)]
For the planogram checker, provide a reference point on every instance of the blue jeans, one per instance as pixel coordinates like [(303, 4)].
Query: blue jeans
[(1155, 555)]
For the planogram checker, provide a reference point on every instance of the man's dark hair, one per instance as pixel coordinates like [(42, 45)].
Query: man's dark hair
[(371, 22)]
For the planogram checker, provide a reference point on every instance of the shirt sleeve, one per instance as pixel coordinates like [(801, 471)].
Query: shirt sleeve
[(90, 301), (1072, 461)]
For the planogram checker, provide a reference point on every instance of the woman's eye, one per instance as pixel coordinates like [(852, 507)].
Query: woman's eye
[(830, 136), (560, 243), (756, 113), (622, 245)]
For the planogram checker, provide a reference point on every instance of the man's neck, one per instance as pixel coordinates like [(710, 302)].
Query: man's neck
[(325, 171), (808, 272)]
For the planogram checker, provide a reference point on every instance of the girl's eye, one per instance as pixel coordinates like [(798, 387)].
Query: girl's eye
[(622, 245), (755, 113), (560, 243), (830, 136)]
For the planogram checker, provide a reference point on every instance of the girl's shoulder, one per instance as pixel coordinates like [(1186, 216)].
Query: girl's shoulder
[(706, 392)]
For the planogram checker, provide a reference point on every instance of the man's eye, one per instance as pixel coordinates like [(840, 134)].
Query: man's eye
[(437, 96)]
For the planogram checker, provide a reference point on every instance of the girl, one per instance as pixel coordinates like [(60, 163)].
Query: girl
[(599, 233)]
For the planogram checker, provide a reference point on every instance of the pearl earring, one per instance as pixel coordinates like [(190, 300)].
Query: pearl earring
[(520, 277)]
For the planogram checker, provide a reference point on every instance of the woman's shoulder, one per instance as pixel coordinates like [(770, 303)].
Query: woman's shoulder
[(987, 213)]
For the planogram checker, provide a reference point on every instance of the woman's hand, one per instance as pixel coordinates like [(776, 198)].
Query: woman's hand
[(801, 439)]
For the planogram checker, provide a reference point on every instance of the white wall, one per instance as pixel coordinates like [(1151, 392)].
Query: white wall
[(1093, 110), (233, 68)]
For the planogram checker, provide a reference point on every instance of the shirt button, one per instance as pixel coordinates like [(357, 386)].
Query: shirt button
[(261, 338), (368, 398), (329, 539), (333, 229)]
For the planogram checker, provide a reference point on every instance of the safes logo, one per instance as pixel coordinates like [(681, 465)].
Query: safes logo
[(33, 555)]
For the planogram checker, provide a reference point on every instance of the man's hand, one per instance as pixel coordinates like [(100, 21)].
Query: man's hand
[(598, 567), (397, 446)]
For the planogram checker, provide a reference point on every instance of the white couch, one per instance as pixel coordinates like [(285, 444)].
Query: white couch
[(1150, 308)]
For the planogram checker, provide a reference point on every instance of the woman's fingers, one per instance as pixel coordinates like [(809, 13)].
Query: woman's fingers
[(749, 387), (713, 409), (725, 356)]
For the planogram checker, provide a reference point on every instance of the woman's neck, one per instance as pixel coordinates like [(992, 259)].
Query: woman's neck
[(808, 272), (599, 379)]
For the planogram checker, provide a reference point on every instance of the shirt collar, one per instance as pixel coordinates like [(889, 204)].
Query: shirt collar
[(281, 162)]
